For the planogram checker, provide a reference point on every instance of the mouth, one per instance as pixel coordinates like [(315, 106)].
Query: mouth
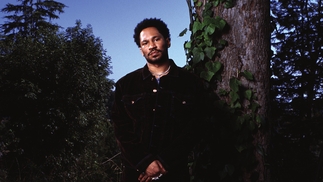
[(153, 53)]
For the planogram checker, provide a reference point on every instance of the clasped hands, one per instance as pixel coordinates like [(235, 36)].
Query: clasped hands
[(153, 172)]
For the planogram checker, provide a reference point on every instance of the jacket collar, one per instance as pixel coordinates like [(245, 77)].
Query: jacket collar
[(174, 72)]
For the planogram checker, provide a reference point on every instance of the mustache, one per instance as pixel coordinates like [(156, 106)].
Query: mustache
[(154, 50)]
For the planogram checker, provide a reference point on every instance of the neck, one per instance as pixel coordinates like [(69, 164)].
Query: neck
[(159, 70)]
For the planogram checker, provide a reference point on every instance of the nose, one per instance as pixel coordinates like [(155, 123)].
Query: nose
[(152, 45)]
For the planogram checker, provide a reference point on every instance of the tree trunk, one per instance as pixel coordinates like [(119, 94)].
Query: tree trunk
[(249, 49)]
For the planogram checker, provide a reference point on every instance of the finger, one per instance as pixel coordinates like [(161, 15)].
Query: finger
[(144, 178), (148, 179), (140, 177)]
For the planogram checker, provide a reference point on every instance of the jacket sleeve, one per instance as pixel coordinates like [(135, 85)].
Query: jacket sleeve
[(131, 149)]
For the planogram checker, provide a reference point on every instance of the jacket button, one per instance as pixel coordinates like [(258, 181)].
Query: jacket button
[(154, 109), (184, 102), (154, 90)]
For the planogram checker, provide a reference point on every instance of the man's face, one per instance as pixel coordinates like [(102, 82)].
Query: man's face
[(153, 45)]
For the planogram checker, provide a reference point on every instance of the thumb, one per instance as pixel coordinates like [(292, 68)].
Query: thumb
[(162, 169)]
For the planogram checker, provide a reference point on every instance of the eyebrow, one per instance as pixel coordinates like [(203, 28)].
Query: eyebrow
[(156, 36)]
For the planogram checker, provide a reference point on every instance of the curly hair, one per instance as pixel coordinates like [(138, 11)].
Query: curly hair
[(151, 22)]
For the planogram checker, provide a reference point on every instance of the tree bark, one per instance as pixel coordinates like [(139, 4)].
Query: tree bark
[(248, 48)]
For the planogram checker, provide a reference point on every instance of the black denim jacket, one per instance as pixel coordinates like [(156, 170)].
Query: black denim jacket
[(158, 120)]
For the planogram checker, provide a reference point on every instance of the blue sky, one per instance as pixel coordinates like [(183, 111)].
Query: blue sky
[(114, 20)]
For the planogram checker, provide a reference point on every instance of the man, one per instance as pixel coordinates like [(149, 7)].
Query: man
[(157, 111)]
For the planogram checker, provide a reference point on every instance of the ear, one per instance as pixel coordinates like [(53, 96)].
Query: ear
[(168, 42), (142, 53)]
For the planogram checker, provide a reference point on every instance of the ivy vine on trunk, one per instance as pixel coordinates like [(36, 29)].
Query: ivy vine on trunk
[(235, 66)]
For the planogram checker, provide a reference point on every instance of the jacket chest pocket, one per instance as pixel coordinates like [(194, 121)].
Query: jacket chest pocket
[(182, 106), (135, 105)]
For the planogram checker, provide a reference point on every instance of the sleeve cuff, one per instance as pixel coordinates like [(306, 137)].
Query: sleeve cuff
[(144, 163), (166, 167)]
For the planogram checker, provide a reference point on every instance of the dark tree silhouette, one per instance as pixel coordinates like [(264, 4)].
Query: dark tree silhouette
[(298, 62), (297, 75), (31, 15), (54, 93)]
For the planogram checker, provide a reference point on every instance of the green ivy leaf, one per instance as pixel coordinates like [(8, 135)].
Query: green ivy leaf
[(237, 105), (188, 45), (248, 94), (216, 3), (259, 121), (220, 23), (254, 106), (234, 97), (213, 66), (197, 58), (210, 51), (210, 29), (228, 4), (197, 26), (208, 42), (248, 75), (207, 75), (241, 148), (223, 42), (198, 55), (183, 33), (208, 20), (223, 92), (207, 6), (207, 10), (234, 84), (188, 67)]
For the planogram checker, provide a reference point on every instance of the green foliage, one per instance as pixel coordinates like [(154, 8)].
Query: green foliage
[(183, 32), (227, 149), (204, 46), (211, 69), (54, 95)]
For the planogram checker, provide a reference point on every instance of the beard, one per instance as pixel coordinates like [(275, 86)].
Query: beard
[(162, 59)]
